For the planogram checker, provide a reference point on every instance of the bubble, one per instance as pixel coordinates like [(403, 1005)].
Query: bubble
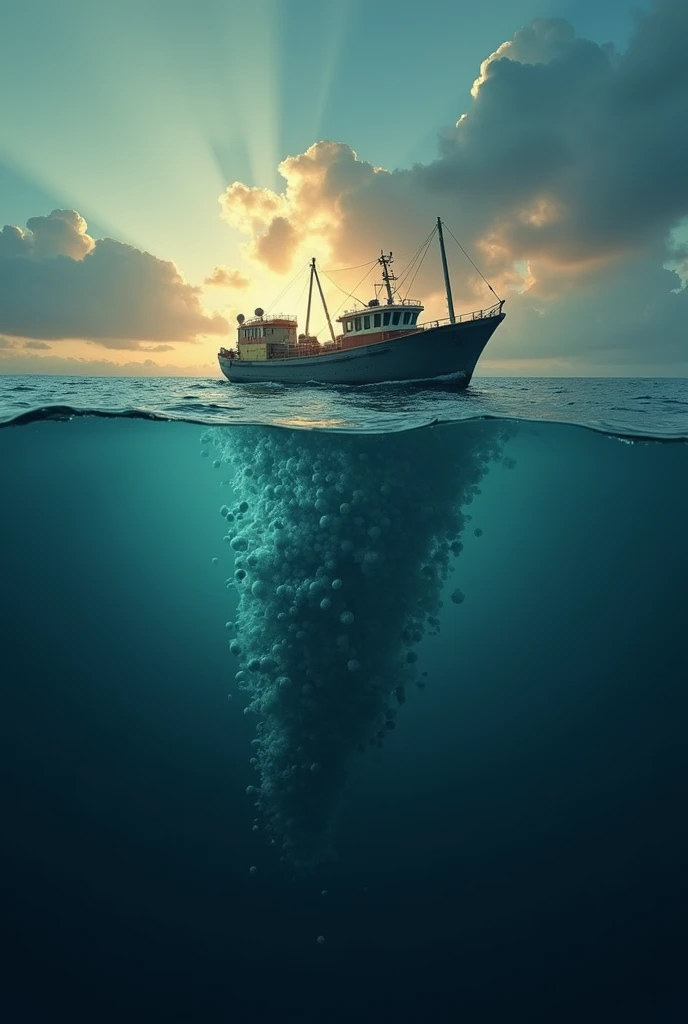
[(322, 686), (214, 560), (320, 940), (253, 869), (457, 597), (478, 532)]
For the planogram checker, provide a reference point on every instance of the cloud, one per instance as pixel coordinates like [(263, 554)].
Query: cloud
[(57, 282), (36, 345), (567, 168), (6, 343), (14, 360), (223, 277)]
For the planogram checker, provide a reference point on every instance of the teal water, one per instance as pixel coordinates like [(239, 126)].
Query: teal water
[(645, 407), (514, 846)]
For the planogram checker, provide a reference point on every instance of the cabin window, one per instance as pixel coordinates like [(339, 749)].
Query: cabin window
[(414, 317), (395, 318), (366, 323), (377, 320), (386, 319), (357, 321), (349, 325), (407, 318)]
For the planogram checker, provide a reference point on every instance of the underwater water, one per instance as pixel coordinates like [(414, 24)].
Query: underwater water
[(305, 725)]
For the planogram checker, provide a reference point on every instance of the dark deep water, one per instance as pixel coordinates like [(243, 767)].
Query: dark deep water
[(515, 851)]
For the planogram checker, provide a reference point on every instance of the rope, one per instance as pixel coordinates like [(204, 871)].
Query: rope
[(303, 292), (338, 270), (417, 254), (287, 287), (348, 295), (472, 263), (427, 246)]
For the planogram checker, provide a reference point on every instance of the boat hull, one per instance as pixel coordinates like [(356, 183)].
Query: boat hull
[(450, 350)]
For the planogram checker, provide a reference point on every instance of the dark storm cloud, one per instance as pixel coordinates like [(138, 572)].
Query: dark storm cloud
[(570, 153), (58, 282), (576, 151), (566, 178)]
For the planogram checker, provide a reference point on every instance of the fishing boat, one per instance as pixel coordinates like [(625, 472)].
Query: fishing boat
[(378, 341)]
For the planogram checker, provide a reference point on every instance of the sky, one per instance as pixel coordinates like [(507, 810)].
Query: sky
[(167, 164)]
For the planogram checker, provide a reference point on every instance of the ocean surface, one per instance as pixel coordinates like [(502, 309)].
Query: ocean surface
[(343, 705)]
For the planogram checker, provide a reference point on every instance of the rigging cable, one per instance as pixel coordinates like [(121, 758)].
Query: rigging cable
[(472, 263), (303, 292), (417, 254), (348, 295), (427, 246), (338, 270), (287, 287)]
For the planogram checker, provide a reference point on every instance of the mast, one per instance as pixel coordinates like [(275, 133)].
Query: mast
[(385, 262), (445, 268), (314, 273), (310, 295)]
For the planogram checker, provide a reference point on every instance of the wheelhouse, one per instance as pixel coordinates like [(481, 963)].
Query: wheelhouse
[(373, 318)]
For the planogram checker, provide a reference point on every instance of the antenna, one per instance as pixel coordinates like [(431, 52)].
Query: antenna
[(385, 262)]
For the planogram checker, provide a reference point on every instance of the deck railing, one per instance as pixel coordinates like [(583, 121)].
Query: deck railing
[(380, 308), (477, 314), (251, 321)]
